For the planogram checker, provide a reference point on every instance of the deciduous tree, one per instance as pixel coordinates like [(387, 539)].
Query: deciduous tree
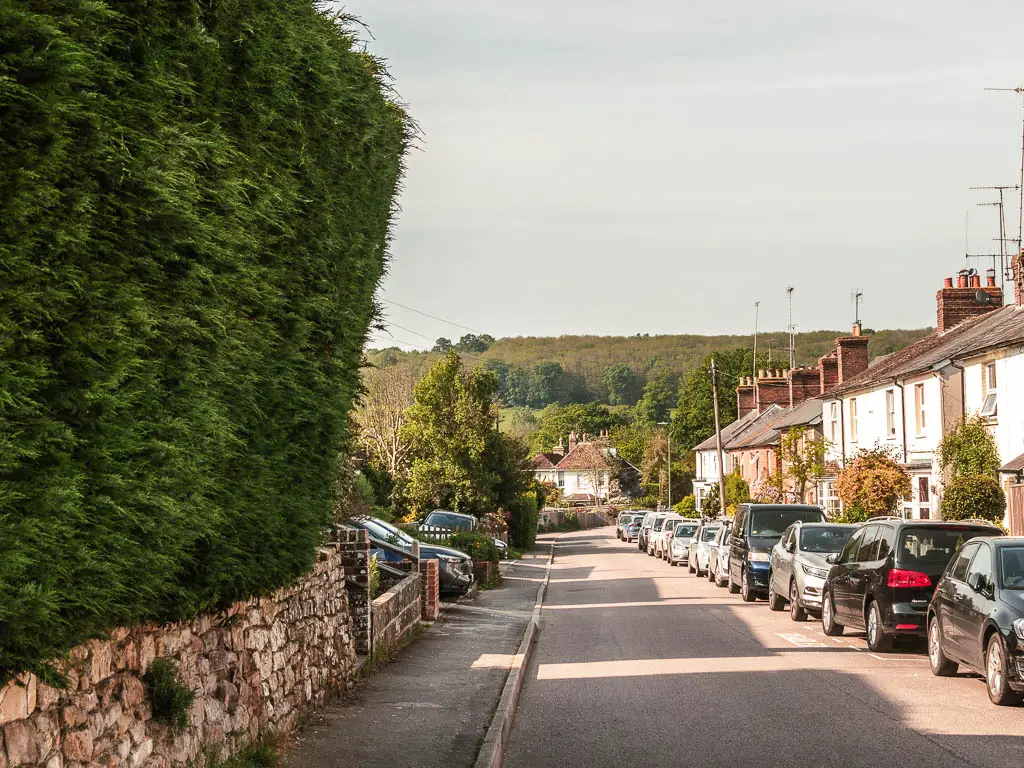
[(873, 483)]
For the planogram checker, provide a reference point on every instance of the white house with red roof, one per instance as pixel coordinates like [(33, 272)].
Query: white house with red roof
[(589, 471)]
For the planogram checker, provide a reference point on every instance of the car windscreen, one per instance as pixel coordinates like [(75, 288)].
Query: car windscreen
[(770, 523), (1011, 567), (708, 534), (441, 520), (685, 530), (931, 548), (659, 523), (830, 538)]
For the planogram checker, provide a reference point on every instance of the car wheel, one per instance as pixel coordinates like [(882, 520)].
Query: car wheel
[(719, 581), (746, 592), (796, 611), (996, 674), (711, 575), (775, 603), (733, 586), (941, 666), (878, 641), (689, 565), (829, 625)]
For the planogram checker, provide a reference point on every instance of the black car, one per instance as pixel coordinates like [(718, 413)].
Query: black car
[(976, 617), (755, 530), (883, 579)]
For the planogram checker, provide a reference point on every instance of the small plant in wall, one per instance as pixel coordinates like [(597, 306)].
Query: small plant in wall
[(171, 700)]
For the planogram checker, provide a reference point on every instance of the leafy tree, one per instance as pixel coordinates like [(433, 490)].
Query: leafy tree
[(736, 492), (518, 387), (470, 342), (659, 397), (694, 420), (459, 460), (968, 497), (387, 393), (874, 483), (803, 458), (443, 345), (969, 449), (500, 369), (621, 383), (687, 506)]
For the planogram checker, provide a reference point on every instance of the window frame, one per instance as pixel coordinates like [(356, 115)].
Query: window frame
[(920, 409), (890, 413), (854, 431)]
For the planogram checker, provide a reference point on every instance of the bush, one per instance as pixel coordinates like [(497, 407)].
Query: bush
[(523, 520), (969, 449), (969, 497), (874, 483), (194, 220), (687, 506), (477, 545), (850, 514), (171, 701)]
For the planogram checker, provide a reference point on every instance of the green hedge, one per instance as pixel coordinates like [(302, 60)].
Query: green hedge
[(194, 209)]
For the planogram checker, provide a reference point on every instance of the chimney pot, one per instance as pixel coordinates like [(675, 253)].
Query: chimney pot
[(761, 374), (962, 280), (948, 282), (857, 328), (990, 278), (975, 281)]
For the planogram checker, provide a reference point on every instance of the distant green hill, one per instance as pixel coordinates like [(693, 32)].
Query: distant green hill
[(585, 359)]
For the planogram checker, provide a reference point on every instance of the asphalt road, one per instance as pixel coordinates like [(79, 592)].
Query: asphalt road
[(641, 664)]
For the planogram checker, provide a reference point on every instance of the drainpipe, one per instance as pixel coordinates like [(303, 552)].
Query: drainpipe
[(842, 430), (903, 416)]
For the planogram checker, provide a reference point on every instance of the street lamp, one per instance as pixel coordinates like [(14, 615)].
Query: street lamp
[(668, 432)]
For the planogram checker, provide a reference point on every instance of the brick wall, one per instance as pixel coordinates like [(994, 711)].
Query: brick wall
[(746, 400), (255, 668), (852, 353), (395, 612), (354, 547), (954, 305), (772, 389), (829, 367), (430, 595), (804, 383)]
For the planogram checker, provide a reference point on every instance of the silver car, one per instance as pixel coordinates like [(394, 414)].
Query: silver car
[(681, 537), (716, 564), (722, 571), (798, 568), (699, 549)]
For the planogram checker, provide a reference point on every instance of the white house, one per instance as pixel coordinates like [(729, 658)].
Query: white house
[(591, 470), (707, 470), (907, 401)]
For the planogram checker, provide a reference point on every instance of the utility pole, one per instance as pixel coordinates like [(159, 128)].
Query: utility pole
[(718, 441), (668, 431), (792, 335), (757, 317)]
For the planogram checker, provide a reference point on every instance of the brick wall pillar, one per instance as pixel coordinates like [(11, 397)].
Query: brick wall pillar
[(430, 590), (354, 546)]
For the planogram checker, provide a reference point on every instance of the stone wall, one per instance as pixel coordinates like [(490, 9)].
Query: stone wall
[(254, 667), (396, 612)]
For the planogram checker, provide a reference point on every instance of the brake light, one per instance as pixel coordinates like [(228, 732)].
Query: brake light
[(900, 578)]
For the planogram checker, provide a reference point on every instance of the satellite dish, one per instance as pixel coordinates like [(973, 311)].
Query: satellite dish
[(983, 298)]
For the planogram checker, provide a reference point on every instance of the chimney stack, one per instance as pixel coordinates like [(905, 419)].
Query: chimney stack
[(1018, 279), (829, 366), (559, 450), (572, 441), (746, 399), (966, 301)]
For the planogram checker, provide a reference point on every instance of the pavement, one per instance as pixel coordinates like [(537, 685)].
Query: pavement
[(432, 705), (639, 663)]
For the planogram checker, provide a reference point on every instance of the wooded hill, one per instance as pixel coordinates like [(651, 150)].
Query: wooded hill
[(587, 358)]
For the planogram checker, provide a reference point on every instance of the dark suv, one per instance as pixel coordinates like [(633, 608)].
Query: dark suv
[(883, 579), (976, 617), (755, 530)]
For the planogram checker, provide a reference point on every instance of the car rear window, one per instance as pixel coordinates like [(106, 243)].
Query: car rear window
[(772, 522), (685, 530), (708, 534), (928, 548), (441, 520)]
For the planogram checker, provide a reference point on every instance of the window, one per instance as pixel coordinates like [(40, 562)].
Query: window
[(853, 420), (852, 546), (886, 540), (990, 377), (828, 497), (920, 414), (959, 569), (980, 574), (868, 548), (833, 413), (561, 480), (890, 412), (922, 490)]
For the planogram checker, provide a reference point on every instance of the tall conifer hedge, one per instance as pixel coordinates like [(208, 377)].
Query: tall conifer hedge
[(194, 208)]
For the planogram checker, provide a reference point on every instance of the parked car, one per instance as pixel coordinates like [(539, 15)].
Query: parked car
[(884, 578), (455, 568), (459, 523), (698, 554), (798, 568), (663, 538), (652, 526), (681, 535), (755, 530), (976, 617), (645, 528), (632, 532), (624, 519), (718, 557)]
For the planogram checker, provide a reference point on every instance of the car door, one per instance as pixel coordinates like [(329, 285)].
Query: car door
[(782, 560), (950, 596), (977, 605), (738, 544), (861, 574), (842, 579)]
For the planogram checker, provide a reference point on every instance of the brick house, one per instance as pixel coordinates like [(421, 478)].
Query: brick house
[(590, 471)]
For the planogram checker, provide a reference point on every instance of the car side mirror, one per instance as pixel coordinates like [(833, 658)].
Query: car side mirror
[(978, 583), (832, 558)]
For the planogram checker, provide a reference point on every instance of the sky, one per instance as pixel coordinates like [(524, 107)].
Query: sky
[(657, 166)]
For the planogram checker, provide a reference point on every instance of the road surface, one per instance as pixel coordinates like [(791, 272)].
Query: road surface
[(641, 664)]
